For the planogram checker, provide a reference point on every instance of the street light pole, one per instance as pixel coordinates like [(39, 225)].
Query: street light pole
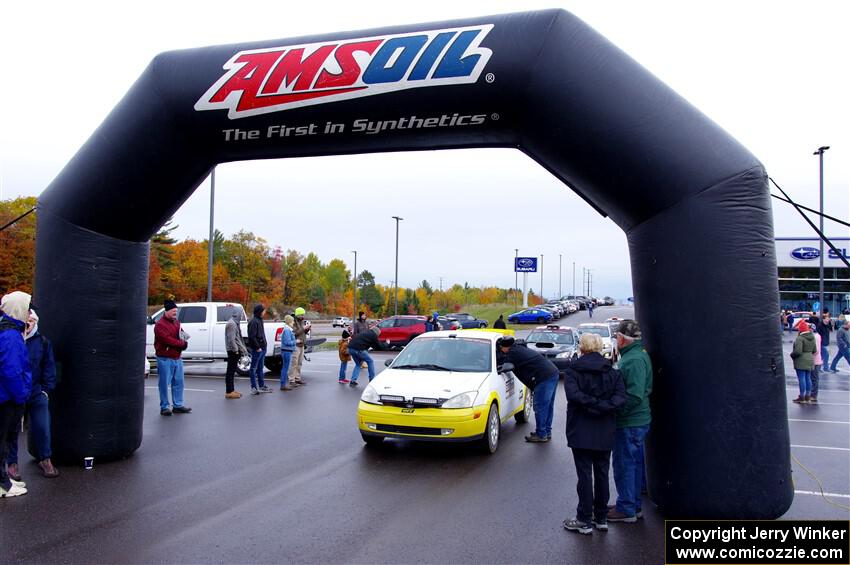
[(560, 272), (212, 234), (354, 315), (516, 279), (397, 219), (541, 277), (819, 153), (574, 279)]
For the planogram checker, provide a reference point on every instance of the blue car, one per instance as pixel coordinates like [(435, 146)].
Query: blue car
[(530, 316)]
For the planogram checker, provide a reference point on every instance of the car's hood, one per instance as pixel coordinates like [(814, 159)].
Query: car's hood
[(558, 348), (426, 384)]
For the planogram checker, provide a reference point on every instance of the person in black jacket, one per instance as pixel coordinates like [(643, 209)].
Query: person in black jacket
[(500, 323), (595, 391), (358, 347), (257, 345), (43, 367), (538, 374)]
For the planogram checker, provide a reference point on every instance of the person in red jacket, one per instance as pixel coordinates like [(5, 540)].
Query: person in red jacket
[(168, 344)]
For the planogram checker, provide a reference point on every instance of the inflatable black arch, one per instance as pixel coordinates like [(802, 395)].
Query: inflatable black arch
[(693, 202)]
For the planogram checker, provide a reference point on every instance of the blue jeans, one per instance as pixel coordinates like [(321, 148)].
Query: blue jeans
[(359, 357), (170, 373), (257, 368), (39, 430), (824, 354), (628, 476), (805, 380), (842, 354), (343, 365), (544, 406), (285, 357)]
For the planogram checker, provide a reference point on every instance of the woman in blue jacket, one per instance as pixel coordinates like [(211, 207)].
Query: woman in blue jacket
[(15, 380), (43, 369)]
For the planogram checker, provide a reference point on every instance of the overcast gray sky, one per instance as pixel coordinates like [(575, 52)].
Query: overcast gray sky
[(773, 74)]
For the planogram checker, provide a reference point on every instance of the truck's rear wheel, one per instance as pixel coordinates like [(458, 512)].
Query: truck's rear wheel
[(243, 365), (274, 364)]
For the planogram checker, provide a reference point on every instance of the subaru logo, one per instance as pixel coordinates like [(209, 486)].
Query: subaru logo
[(805, 253), (525, 262)]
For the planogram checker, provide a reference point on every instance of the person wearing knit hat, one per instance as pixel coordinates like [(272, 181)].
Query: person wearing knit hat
[(15, 380), (169, 346), (803, 356), (344, 356)]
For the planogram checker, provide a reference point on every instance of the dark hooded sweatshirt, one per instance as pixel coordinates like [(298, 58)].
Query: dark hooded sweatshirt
[(365, 340), (256, 333), (595, 391), (530, 367)]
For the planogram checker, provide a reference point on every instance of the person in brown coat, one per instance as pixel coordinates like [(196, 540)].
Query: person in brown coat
[(344, 356), (298, 355)]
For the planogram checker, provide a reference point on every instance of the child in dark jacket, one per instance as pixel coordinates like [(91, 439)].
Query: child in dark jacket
[(344, 356), (595, 391)]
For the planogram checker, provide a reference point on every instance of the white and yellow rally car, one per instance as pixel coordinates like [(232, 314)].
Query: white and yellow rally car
[(444, 386)]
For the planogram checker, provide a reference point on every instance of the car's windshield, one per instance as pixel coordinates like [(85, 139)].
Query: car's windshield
[(560, 338), (446, 354), (598, 330)]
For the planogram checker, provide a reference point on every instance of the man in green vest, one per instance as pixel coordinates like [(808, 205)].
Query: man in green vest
[(632, 423)]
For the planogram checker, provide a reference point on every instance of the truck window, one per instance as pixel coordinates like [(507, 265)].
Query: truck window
[(192, 314), (223, 313)]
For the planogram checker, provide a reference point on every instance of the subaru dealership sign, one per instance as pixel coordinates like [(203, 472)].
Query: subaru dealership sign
[(525, 264), (804, 251)]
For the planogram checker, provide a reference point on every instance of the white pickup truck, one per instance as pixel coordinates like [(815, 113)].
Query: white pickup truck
[(205, 321)]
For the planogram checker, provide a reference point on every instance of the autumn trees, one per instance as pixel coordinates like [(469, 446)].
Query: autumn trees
[(246, 269)]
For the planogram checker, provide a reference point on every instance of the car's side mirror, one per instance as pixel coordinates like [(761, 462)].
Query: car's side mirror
[(388, 362), (505, 367)]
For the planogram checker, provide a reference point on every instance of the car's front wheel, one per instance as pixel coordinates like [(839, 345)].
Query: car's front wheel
[(541, 320), (490, 441), (525, 415), (372, 441)]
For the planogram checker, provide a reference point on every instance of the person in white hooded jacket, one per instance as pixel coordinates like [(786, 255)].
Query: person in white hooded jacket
[(15, 380)]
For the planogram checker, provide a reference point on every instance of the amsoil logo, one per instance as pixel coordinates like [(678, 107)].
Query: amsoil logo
[(261, 81)]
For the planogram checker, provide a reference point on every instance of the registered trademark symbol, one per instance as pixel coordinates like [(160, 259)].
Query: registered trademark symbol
[(494, 117), (490, 78)]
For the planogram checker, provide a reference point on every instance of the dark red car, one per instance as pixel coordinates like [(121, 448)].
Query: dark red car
[(399, 330)]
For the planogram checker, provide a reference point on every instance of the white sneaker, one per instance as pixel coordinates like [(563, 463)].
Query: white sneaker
[(21, 484), (14, 490)]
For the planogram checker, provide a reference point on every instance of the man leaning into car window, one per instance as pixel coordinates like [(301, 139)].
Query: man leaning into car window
[(540, 375)]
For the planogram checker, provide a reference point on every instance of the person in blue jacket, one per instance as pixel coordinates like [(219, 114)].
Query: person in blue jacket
[(287, 348), (15, 380), (43, 369)]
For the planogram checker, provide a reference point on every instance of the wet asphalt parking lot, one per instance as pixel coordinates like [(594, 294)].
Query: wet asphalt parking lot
[(285, 477)]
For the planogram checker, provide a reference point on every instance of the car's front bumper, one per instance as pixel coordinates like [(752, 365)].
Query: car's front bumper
[(447, 424)]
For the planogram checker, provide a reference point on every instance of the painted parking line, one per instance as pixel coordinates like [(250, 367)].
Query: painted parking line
[(820, 390), (189, 389), (813, 493), (821, 447), (819, 421)]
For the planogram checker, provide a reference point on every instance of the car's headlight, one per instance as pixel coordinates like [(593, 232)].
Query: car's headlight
[(463, 400), (370, 395), (564, 355)]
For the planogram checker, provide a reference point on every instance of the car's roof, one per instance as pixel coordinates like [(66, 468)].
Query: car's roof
[(407, 316), (555, 329), (489, 334), (593, 325)]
